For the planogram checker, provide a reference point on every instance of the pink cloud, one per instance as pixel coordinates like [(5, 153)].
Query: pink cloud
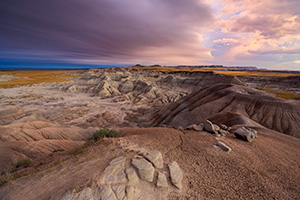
[(226, 41), (261, 26)]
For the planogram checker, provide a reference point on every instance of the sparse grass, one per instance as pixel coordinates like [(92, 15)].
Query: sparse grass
[(104, 132), (97, 137), (36, 76), (13, 174), (281, 94), (6, 178), (80, 149)]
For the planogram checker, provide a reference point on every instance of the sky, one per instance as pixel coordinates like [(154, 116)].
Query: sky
[(261, 33)]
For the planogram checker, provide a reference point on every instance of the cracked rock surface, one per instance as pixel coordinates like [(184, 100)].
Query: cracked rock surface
[(139, 176)]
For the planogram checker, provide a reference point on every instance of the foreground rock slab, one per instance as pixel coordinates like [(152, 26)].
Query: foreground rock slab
[(133, 177), (145, 168), (155, 157), (114, 173), (176, 174), (162, 181)]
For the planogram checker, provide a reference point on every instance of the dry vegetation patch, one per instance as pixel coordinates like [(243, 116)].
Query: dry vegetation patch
[(281, 94), (29, 77)]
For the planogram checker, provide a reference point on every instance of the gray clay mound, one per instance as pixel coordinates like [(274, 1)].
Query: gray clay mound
[(233, 105)]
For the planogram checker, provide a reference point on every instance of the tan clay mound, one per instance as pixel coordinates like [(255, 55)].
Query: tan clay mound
[(34, 139), (12, 152), (269, 111), (264, 169)]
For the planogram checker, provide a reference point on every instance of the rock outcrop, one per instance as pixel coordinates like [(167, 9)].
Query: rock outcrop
[(115, 172), (133, 178)]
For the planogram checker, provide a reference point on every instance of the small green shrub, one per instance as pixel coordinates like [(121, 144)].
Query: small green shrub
[(104, 132), (23, 163)]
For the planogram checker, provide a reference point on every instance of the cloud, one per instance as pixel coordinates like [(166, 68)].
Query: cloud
[(293, 65), (105, 31), (226, 41), (262, 27), (277, 51)]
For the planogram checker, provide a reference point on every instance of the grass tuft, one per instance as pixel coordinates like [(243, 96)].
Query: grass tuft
[(104, 132)]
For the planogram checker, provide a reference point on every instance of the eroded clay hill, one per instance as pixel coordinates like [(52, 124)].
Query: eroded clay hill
[(233, 105), (30, 136), (143, 86)]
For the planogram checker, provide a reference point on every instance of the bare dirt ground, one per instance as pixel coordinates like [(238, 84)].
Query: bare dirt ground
[(265, 169)]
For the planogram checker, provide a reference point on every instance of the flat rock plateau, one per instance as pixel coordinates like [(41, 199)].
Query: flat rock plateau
[(179, 135)]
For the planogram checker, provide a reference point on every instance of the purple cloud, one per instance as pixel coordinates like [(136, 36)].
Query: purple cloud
[(104, 30)]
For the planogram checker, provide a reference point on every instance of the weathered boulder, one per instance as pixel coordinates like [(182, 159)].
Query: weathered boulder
[(223, 132), (155, 157), (114, 173), (131, 176), (176, 174), (246, 134), (162, 180), (180, 128), (209, 126), (223, 126), (190, 127), (107, 193), (198, 128), (223, 146), (195, 127), (131, 191), (217, 128), (85, 194), (119, 191), (145, 168)]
